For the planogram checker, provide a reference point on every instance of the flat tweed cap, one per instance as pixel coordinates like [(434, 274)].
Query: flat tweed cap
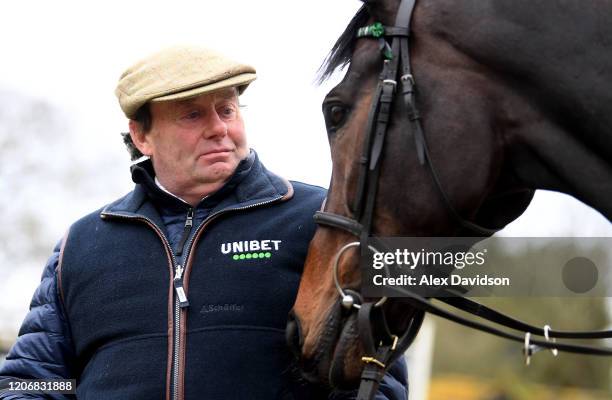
[(179, 73)]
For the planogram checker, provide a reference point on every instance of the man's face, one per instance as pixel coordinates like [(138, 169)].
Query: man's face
[(195, 144)]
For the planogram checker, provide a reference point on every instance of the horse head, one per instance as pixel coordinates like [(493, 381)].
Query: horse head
[(493, 120)]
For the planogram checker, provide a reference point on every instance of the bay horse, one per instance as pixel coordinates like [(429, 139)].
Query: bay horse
[(510, 97)]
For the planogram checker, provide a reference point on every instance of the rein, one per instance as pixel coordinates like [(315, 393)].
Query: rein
[(382, 346)]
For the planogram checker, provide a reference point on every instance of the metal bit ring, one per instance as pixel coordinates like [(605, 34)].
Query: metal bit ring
[(345, 298)]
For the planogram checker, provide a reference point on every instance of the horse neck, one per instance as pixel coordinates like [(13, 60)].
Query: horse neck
[(552, 158), (555, 64)]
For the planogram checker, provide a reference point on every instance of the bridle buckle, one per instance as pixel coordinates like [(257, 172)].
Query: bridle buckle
[(372, 360)]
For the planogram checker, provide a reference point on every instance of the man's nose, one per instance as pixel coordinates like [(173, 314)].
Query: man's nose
[(215, 126)]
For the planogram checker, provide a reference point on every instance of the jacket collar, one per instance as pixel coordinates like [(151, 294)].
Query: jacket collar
[(251, 184)]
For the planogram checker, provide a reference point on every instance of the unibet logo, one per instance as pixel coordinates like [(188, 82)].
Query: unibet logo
[(250, 249)]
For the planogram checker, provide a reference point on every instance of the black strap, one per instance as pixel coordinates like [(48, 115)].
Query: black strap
[(404, 13), (373, 373), (423, 304), (373, 171), (408, 94), (494, 316), (377, 356), (382, 121), (396, 31), (470, 226), (366, 334), (338, 221), (365, 156), (386, 88), (385, 349)]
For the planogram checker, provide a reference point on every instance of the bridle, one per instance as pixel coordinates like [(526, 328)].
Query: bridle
[(383, 347)]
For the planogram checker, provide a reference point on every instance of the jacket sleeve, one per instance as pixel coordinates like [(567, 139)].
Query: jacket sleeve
[(394, 385), (44, 348)]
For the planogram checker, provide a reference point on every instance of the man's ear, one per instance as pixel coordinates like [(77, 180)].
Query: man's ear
[(140, 139)]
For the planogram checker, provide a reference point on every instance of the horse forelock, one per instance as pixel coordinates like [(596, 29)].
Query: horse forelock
[(340, 54)]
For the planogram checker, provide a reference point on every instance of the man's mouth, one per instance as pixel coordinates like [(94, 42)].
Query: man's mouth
[(215, 153)]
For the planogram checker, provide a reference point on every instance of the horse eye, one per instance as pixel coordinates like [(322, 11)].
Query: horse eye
[(335, 116)]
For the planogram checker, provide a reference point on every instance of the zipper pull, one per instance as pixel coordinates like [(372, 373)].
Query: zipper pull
[(186, 232), (178, 287)]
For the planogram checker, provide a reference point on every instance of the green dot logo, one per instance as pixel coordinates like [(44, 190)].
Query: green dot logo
[(249, 256)]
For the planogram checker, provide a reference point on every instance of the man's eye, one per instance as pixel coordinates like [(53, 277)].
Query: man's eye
[(227, 111), (192, 115)]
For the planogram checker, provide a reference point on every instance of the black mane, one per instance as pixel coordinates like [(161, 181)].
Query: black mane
[(340, 55)]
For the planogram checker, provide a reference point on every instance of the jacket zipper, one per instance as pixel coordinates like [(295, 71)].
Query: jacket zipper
[(181, 302), (178, 275), (186, 231)]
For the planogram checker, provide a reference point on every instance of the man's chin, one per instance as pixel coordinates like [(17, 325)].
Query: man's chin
[(217, 172)]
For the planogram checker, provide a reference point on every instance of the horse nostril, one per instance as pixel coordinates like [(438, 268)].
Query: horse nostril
[(293, 335)]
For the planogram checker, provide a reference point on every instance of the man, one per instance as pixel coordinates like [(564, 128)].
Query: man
[(180, 289)]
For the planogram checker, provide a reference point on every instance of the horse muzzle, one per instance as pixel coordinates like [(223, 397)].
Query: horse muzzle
[(293, 335), (334, 360)]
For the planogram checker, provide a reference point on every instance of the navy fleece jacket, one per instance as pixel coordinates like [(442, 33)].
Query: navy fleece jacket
[(105, 312)]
